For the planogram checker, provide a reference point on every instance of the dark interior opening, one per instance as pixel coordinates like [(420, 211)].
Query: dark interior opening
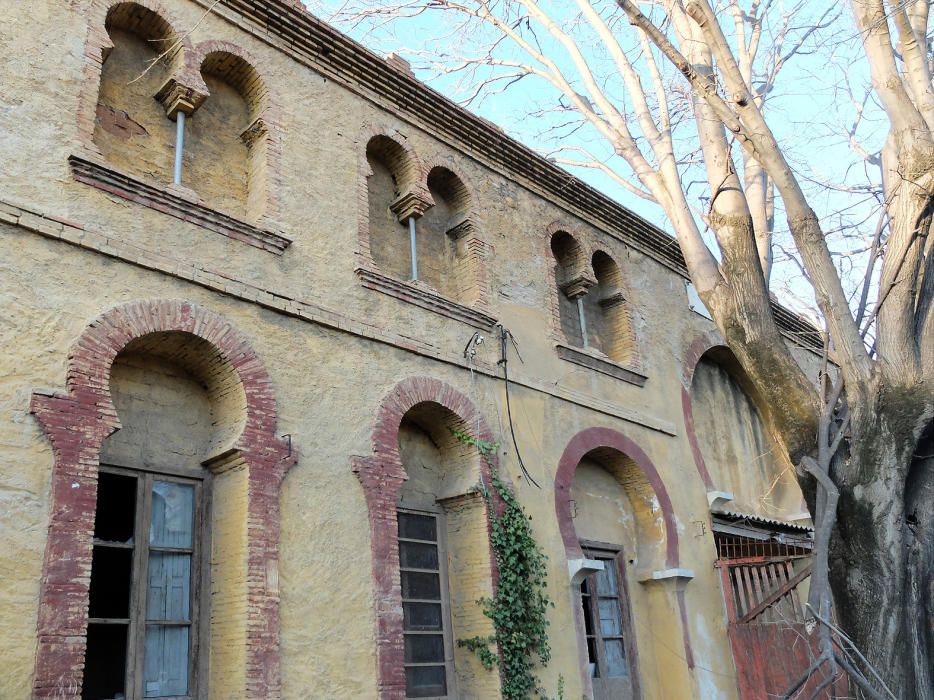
[(111, 574), (116, 508), (105, 662)]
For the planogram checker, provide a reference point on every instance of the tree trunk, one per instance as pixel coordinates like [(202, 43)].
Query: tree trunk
[(882, 555)]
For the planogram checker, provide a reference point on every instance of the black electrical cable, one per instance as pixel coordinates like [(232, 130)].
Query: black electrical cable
[(504, 361)]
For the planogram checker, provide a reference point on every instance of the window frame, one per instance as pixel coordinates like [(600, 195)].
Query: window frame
[(199, 595), (611, 555), (447, 632)]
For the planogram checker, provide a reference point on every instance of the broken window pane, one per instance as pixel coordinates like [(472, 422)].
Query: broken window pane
[(111, 575), (172, 514), (105, 662), (116, 508)]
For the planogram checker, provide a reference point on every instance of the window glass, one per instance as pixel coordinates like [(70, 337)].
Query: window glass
[(417, 527), (152, 575), (425, 682), (422, 616), (601, 596), (420, 558), (166, 661), (173, 507)]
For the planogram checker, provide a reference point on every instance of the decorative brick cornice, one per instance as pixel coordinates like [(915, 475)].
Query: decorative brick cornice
[(604, 365), (419, 294), (161, 199), (410, 204), (176, 97), (77, 422)]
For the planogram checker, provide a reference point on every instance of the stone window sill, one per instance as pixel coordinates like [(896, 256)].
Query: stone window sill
[(162, 198), (600, 363), (423, 296)]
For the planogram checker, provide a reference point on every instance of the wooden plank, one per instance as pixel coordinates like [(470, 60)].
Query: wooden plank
[(769, 599)]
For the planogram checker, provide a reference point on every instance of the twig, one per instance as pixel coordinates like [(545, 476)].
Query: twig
[(176, 44)]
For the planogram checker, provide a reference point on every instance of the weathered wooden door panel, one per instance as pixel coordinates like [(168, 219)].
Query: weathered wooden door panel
[(771, 647)]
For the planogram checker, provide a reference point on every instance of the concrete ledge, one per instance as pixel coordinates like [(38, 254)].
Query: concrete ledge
[(676, 576), (717, 500), (599, 364), (161, 199), (579, 569), (419, 295)]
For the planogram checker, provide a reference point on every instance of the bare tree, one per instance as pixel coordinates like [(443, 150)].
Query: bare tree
[(862, 446)]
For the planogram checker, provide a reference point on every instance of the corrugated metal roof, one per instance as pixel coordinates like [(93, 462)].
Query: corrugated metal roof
[(762, 520)]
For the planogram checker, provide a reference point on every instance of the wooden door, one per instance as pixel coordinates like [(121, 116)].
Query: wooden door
[(607, 627)]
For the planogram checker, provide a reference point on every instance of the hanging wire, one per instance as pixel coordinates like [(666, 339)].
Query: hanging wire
[(470, 354), (505, 338)]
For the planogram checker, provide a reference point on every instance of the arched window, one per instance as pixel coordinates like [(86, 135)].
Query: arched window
[(573, 282), (225, 146), (609, 324), (131, 129), (389, 183), (441, 240), (150, 586), (439, 526), (605, 524), (741, 456)]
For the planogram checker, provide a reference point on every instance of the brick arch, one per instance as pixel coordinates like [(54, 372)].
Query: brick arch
[(410, 173), (382, 475), (406, 164), (595, 438), (264, 130), (77, 422), (581, 265), (581, 444), (468, 202), (254, 87), (623, 343), (96, 49), (470, 267)]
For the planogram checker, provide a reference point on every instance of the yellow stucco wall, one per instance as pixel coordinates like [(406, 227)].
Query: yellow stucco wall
[(328, 380)]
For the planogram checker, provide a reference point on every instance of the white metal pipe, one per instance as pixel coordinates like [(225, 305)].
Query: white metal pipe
[(179, 145), (583, 320), (412, 247)]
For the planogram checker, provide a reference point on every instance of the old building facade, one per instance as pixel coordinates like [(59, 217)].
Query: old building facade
[(247, 268)]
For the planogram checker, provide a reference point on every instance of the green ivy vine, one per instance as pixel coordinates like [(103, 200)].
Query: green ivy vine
[(518, 610)]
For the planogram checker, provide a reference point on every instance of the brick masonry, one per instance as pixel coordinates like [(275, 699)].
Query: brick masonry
[(411, 173), (77, 422), (185, 67)]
